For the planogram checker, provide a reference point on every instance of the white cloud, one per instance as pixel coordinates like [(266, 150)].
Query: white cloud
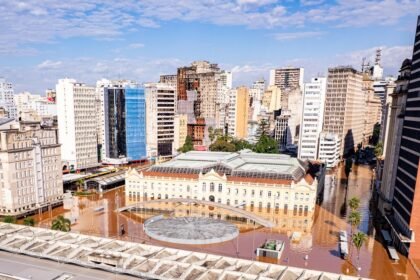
[(311, 2), (35, 21), (49, 64), (136, 46), (297, 35)]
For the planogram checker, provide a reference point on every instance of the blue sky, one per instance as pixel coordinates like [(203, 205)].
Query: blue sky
[(43, 41)]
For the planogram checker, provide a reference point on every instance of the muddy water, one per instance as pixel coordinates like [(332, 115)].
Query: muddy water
[(317, 232)]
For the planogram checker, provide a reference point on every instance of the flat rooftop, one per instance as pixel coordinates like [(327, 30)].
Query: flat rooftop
[(240, 164), (144, 261)]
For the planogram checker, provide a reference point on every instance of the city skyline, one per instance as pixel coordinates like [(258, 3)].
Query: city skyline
[(140, 41)]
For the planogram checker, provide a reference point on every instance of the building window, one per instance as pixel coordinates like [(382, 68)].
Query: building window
[(188, 188), (261, 193), (219, 200), (285, 209), (220, 187), (244, 192), (228, 202), (252, 192), (204, 187), (269, 194), (166, 196), (259, 206), (211, 187)]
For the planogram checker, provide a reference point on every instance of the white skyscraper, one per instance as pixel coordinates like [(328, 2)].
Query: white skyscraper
[(312, 118), (6, 98), (77, 123)]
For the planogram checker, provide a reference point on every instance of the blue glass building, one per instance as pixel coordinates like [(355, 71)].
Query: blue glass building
[(125, 123)]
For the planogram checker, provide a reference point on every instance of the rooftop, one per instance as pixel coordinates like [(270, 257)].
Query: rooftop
[(146, 261), (239, 164)]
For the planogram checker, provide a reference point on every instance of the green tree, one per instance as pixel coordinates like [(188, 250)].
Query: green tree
[(222, 145), (358, 239), (266, 144), (263, 128), (29, 221), (354, 203), (62, 224), (212, 136), (80, 184), (379, 148), (375, 134), (241, 144), (9, 220), (354, 219), (188, 145)]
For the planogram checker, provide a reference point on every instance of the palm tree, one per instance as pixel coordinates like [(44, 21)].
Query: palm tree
[(354, 203), (358, 239), (9, 220), (61, 224), (29, 221), (355, 219)]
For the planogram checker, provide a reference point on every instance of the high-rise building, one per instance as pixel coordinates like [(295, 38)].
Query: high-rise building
[(30, 166), (281, 129), (122, 123), (329, 149), (287, 78), (180, 130), (312, 118), (373, 107), (405, 217), (238, 112), (271, 99), (345, 106), (6, 98), (386, 170), (77, 122), (207, 81), (41, 106), (160, 112)]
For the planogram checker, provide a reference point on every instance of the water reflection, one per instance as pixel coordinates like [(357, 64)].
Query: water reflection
[(314, 234)]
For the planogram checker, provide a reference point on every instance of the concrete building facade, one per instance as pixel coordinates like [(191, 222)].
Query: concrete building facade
[(30, 166), (329, 149), (77, 120), (405, 218), (160, 114), (277, 181), (312, 118), (345, 107), (6, 98)]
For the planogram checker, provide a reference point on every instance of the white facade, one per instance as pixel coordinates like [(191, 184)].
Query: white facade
[(6, 98), (30, 167), (77, 122), (160, 114), (312, 118), (27, 102), (329, 149), (259, 191), (231, 112)]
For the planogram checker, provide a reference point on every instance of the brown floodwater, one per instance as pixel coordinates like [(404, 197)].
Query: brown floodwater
[(315, 248)]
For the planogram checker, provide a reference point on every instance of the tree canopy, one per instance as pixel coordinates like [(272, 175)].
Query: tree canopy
[(188, 145), (266, 144), (61, 224)]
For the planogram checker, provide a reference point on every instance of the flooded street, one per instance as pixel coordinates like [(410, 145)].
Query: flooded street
[(314, 235)]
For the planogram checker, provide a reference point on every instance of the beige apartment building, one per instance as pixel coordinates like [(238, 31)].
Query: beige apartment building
[(180, 130), (271, 99), (30, 166), (345, 106), (238, 179), (373, 107)]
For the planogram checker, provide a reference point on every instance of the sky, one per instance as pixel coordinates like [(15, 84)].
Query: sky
[(45, 40)]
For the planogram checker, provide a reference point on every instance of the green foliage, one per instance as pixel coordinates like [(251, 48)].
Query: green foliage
[(61, 224), (355, 219), (263, 128), (241, 144), (379, 148), (266, 144), (29, 221), (9, 220), (222, 145), (188, 145), (354, 203), (375, 134), (358, 239)]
